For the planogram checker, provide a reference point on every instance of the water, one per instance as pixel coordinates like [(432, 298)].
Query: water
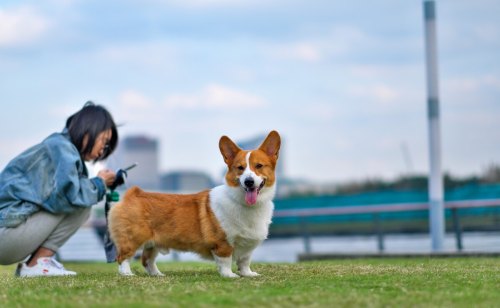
[(85, 245)]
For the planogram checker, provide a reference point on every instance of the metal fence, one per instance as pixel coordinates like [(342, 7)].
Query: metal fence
[(376, 210)]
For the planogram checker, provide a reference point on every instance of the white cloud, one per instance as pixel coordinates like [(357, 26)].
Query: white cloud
[(320, 111), (492, 81), (215, 96), (384, 93), (63, 110), (136, 110), (21, 26), (347, 38), (307, 52), (134, 99), (63, 3), (151, 53), (380, 93), (342, 40), (204, 4), (221, 96), (487, 32), (378, 71), (303, 51), (465, 90)]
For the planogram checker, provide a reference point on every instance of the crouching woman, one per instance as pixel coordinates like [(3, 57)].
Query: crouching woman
[(46, 193)]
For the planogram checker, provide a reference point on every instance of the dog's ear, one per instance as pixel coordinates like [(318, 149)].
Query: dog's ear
[(228, 149), (271, 145)]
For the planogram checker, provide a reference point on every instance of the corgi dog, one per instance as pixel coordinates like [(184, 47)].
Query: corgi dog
[(225, 223)]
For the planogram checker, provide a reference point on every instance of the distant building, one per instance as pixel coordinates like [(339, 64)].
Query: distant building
[(143, 151), (185, 181)]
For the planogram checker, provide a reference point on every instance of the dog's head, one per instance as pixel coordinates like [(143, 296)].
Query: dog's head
[(251, 171)]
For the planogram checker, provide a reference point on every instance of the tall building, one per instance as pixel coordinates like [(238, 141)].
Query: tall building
[(143, 151), (187, 181)]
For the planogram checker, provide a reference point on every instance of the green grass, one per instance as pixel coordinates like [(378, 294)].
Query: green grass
[(418, 282)]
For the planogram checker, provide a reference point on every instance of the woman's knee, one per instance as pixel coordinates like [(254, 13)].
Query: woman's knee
[(79, 216), (86, 214)]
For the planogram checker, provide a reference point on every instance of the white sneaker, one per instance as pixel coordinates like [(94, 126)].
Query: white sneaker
[(44, 267)]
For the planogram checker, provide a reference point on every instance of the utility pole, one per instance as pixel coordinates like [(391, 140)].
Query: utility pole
[(436, 191)]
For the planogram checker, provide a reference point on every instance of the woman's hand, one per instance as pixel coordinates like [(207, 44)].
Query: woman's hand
[(107, 176)]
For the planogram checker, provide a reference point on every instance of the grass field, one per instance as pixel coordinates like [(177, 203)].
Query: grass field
[(418, 282)]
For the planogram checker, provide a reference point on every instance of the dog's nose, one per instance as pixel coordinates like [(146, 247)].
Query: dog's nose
[(249, 182)]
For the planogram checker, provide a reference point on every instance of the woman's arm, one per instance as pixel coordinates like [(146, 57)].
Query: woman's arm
[(71, 185)]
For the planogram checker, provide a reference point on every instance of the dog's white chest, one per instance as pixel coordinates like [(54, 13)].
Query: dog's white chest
[(244, 225)]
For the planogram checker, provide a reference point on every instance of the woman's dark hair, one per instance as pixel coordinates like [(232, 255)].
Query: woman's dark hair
[(90, 121)]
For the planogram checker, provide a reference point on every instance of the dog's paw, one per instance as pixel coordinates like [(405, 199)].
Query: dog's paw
[(156, 273), (126, 273), (249, 274), (152, 270), (229, 275), (124, 269)]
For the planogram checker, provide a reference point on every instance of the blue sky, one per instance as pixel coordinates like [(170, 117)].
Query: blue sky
[(342, 81)]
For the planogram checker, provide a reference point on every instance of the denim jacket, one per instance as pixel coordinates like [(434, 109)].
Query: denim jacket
[(49, 176)]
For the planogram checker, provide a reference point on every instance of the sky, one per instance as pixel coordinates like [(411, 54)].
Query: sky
[(343, 82)]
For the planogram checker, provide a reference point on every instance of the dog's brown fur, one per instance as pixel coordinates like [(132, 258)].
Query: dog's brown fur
[(182, 222)]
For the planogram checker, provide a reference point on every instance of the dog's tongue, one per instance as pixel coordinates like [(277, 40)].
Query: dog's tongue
[(251, 196)]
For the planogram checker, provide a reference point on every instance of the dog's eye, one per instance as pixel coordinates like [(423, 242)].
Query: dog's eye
[(241, 168), (258, 166)]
